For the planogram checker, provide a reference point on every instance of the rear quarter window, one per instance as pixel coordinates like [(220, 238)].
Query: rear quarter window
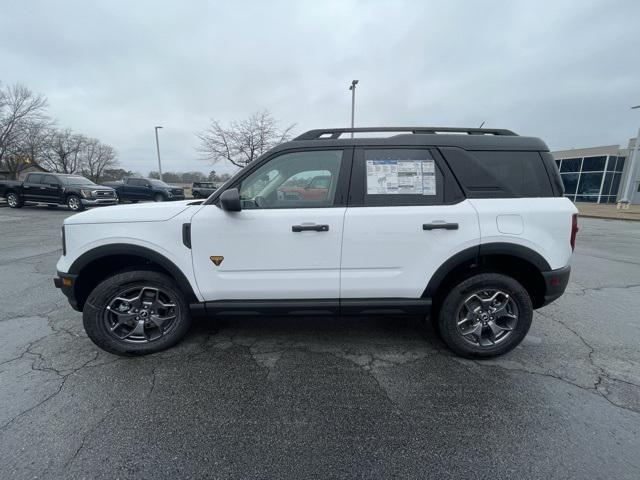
[(500, 174)]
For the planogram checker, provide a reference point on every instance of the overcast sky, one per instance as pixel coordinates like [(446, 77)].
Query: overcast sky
[(564, 71)]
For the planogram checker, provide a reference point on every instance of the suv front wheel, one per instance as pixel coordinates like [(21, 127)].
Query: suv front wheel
[(136, 313), (486, 315)]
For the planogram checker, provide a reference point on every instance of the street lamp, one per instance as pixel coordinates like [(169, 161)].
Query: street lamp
[(158, 150), (627, 195), (353, 101)]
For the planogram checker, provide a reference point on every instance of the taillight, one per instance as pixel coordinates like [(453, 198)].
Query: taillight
[(574, 230)]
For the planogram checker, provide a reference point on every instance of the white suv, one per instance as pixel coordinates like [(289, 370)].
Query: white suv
[(469, 226)]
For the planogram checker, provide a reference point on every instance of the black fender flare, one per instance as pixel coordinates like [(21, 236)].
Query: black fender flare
[(473, 254), (135, 250)]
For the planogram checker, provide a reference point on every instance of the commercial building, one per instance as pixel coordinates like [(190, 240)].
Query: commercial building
[(598, 174)]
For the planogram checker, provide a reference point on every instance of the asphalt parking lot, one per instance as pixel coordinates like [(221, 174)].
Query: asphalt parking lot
[(309, 397)]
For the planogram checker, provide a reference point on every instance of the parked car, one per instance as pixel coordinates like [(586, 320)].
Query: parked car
[(75, 191), (315, 189), (202, 189), (135, 189), (469, 226)]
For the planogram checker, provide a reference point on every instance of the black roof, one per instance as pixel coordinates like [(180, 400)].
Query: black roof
[(466, 138)]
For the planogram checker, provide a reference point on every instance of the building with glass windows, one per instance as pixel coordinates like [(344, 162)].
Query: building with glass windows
[(595, 174)]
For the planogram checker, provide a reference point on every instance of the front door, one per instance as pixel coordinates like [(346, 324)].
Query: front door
[(51, 189), (280, 246)]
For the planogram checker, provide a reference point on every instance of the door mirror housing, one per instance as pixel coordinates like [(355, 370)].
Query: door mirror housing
[(230, 200)]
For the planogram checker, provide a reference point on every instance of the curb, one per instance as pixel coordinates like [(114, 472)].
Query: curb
[(610, 218)]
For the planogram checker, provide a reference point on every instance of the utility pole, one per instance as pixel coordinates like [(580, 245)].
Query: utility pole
[(158, 150), (353, 102)]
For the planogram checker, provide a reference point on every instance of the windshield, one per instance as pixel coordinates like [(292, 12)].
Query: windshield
[(76, 181), (158, 183)]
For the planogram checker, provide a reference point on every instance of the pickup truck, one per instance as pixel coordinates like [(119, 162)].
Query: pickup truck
[(136, 189), (202, 189), (53, 189)]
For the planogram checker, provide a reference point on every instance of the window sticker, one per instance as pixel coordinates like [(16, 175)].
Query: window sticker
[(408, 177)]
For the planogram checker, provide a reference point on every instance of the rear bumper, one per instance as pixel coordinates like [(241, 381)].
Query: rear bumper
[(66, 282), (555, 282)]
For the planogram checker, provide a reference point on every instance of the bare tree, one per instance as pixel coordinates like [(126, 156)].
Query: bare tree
[(243, 141), (95, 158), (19, 108), (64, 152)]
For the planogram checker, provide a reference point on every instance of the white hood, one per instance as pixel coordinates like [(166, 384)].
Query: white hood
[(142, 212)]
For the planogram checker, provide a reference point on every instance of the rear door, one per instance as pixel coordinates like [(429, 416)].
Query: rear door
[(406, 216), (134, 188), (279, 247), (32, 187)]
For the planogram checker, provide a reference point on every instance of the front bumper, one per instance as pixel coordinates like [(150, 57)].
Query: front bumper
[(92, 202), (66, 282), (555, 282)]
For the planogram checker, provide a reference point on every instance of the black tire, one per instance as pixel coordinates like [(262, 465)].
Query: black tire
[(74, 203), (95, 313), (14, 200), (482, 286), (158, 197)]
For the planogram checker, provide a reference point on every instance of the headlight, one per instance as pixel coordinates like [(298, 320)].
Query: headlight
[(86, 193)]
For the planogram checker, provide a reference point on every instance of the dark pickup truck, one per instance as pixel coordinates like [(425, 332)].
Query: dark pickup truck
[(136, 189), (202, 189), (74, 191)]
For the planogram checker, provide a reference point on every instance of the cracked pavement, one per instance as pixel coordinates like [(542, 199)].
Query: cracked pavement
[(317, 397)]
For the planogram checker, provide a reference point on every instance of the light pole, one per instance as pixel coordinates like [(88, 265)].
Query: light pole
[(353, 101), (158, 150), (627, 195)]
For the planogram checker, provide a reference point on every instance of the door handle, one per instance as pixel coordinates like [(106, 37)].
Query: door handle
[(310, 228), (443, 226)]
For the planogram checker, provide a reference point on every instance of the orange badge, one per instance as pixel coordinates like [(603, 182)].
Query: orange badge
[(217, 260)]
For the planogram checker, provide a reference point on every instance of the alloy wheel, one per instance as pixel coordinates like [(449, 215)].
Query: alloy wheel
[(141, 314), (487, 317), (73, 203), (12, 200)]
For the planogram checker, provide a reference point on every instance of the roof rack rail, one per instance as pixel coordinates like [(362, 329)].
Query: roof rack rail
[(334, 133)]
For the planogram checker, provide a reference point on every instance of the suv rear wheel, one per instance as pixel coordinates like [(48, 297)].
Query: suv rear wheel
[(158, 197), (136, 313), (486, 315)]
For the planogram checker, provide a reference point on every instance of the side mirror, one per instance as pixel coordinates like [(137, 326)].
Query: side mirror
[(230, 200)]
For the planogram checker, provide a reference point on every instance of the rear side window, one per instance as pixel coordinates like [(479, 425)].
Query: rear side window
[(35, 178), (500, 174), (388, 177)]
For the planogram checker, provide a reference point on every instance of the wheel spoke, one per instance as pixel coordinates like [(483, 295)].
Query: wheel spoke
[(160, 321)]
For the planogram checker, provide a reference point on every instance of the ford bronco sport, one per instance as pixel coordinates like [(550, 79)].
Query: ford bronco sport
[(469, 226)]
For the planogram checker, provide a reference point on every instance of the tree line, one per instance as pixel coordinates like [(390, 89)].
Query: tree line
[(190, 177), (29, 136)]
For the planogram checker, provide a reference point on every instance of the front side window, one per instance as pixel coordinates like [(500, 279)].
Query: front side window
[(293, 180), (51, 180), (35, 178)]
